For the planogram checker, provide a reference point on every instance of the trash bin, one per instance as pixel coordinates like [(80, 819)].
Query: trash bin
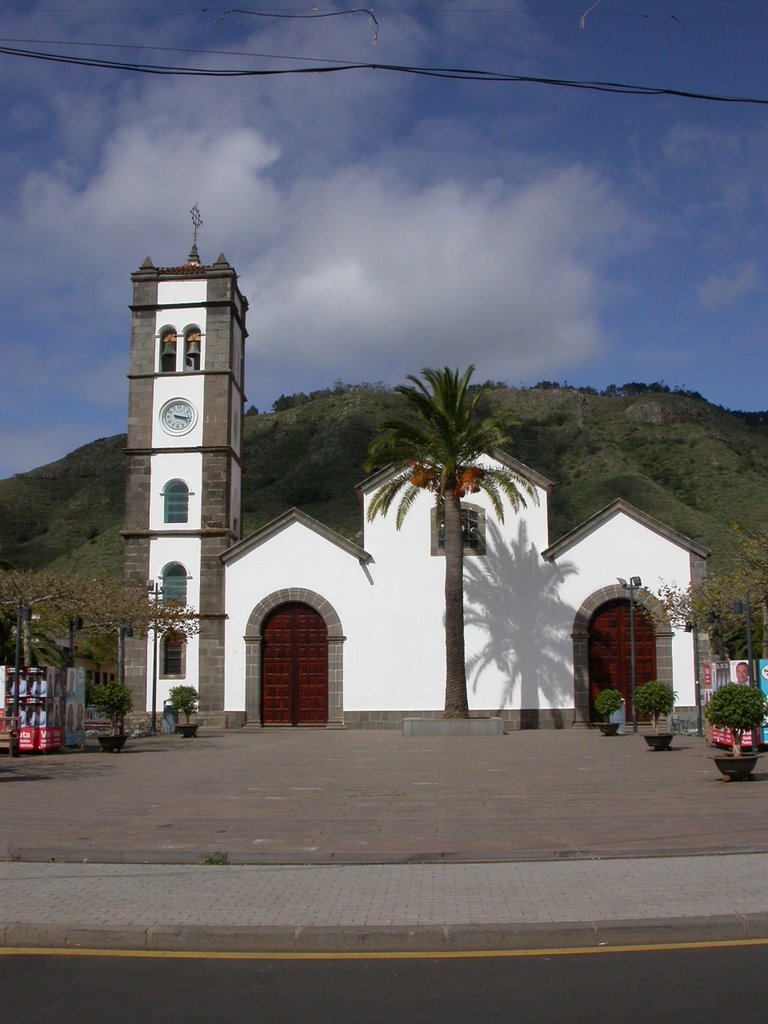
[(169, 718), (620, 716)]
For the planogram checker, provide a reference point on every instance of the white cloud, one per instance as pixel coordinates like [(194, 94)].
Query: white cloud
[(724, 289), (374, 278)]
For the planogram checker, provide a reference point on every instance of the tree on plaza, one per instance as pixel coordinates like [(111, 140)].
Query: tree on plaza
[(441, 448), (102, 604), (709, 604)]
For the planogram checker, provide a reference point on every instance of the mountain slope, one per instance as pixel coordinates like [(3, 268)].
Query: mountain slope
[(692, 465)]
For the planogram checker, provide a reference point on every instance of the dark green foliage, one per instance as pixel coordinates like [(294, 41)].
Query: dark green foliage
[(184, 700), (692, 465), (654, 699), (738, 708), (606, 702), (113, 701)]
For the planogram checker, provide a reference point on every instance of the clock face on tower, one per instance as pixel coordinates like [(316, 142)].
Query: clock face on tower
[(178, 416)]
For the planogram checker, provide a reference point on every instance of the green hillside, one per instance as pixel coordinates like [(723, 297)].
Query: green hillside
[(690, 464)]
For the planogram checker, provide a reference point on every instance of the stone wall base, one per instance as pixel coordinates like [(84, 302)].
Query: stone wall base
[(512, 721), (453, 727)]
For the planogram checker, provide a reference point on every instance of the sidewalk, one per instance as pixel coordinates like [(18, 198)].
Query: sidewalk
[(365, 841)]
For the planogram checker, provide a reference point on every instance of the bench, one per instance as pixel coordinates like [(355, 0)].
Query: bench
[(9, 742)]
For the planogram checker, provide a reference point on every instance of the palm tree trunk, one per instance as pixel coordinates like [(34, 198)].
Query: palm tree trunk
[(456, 705)]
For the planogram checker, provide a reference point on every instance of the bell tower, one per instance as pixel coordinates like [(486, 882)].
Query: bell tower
[(185, 441)]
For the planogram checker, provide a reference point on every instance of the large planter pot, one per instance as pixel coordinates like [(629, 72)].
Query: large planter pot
[(658, 740), (608, 728), (187, 729), (112, 744), (736, 769)]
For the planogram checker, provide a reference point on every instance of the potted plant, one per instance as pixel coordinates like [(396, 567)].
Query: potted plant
[(606, 702), (185, 700), (114, 701), (654, 699), (740, 709)]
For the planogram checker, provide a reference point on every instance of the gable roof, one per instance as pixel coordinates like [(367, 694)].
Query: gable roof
[(377, 479), (282, 522), (618, 507)]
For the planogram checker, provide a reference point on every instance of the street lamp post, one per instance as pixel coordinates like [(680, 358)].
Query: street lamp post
[(155, 590), (22, 615), (123, 632), (634, 583), (713, 618)]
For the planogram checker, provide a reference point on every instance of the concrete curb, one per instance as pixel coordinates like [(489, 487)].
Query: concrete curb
[(89, 855), (385, 939)]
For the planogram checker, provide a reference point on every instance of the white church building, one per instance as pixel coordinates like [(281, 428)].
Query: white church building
[(301, 627)]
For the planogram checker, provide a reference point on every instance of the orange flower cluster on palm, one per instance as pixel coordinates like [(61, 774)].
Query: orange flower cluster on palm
[(428, 478), (467, 481)]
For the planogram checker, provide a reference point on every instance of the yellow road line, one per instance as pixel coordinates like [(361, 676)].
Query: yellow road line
[(184, 954)]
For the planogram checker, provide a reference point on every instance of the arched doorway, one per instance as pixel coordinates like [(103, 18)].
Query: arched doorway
[(294, 667), (609, 651)]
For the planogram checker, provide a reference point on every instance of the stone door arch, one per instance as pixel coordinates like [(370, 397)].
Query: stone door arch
[(662, 634), (294, 667), (253, 651)]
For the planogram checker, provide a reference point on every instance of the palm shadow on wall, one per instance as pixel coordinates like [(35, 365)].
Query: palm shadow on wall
[(512, 598)]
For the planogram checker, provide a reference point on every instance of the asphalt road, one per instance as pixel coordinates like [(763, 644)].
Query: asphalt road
[(700, 986)]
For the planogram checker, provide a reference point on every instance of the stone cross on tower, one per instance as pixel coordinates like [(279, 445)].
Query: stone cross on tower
[(197, 221)]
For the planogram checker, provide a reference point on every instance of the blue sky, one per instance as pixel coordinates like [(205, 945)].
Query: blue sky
[(383, 221)]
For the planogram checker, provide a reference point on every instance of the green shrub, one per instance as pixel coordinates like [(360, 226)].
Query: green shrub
[(738, 708), (184, 700), (113, 701), (608, 701), (655, 699)]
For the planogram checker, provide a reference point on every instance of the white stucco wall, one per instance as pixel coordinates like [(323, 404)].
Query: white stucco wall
[(292, 557), (519, 607), (166, 466), (623, 547)]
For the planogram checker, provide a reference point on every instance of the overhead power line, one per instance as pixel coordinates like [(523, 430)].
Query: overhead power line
[(456, 74)]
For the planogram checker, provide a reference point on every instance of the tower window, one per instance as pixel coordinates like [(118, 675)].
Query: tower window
[(174, 649), (168, 342), (472, 530), (192, 350), (175, 583), (176, 502)]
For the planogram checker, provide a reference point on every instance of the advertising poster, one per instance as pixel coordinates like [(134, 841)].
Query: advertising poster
[(738, 672), (40, 708), (762, 670), (74, 722)]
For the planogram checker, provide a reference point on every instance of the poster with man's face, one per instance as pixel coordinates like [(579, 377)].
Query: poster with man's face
[(739, 672)]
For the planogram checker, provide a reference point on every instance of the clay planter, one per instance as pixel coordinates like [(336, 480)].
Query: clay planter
[(187, 730), (608, 728), (112, 744), (736, 769), (658, 740)]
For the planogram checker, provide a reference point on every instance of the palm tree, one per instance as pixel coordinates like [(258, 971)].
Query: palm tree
[(441, 449)]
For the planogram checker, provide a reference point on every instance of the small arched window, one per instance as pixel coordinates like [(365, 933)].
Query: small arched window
[(175, 583), (192, 350), (176, 502), (174, 649), (168, 343)]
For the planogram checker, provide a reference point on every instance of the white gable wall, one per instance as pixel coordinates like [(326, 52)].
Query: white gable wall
[(292, 557), (623, 547), (519, 608)]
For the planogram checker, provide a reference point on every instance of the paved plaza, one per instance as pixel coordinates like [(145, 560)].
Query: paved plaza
[(349, 840)]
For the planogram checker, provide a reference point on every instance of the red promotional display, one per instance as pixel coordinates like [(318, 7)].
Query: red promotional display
[(731, 672), (40, 698)]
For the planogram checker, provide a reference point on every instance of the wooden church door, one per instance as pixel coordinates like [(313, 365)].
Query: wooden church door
[(294, 667), (609, 652)]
